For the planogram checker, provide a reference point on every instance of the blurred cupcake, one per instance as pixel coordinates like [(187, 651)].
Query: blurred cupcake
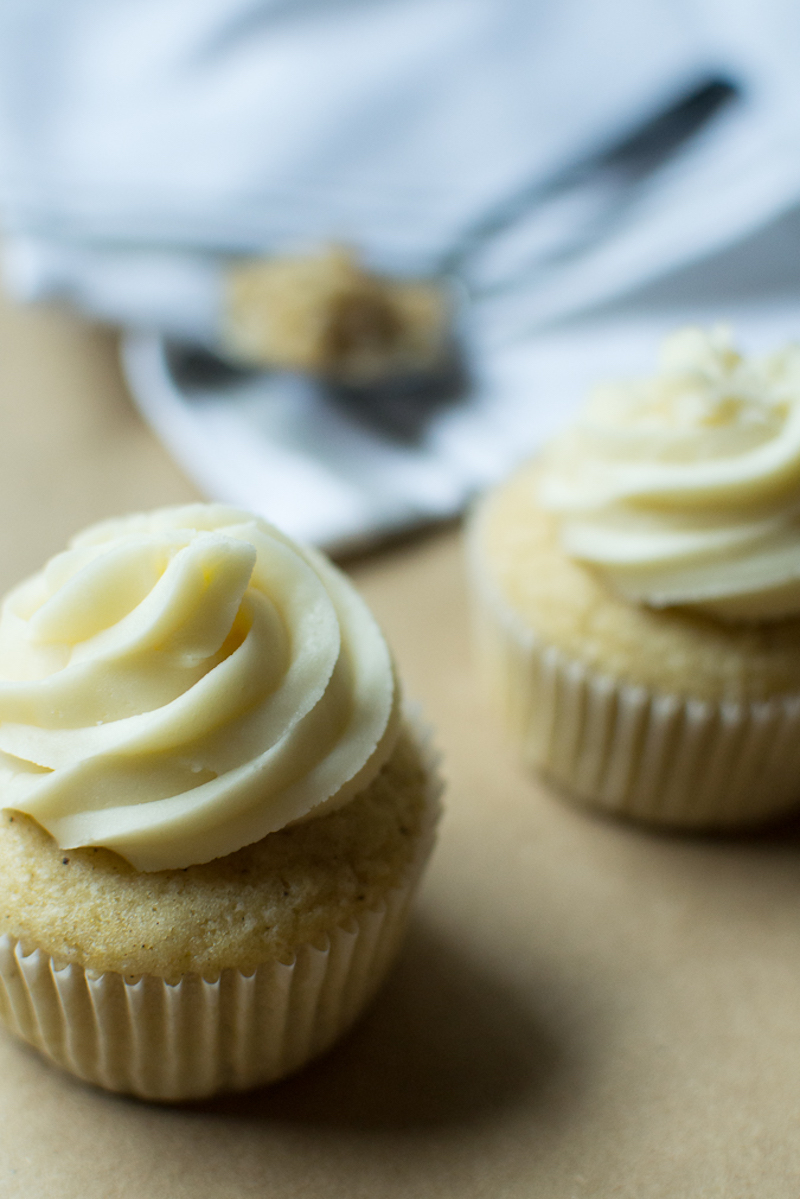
[(214, 812), (638, 592)]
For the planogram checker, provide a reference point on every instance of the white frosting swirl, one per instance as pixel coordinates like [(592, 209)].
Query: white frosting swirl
[(180, 683), (685, 488)]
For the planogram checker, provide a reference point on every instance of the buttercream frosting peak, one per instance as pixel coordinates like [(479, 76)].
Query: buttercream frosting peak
[(684, 488), (703, 384), (180, 683)]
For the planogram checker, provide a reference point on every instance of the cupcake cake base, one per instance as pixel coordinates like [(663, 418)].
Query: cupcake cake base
[(663, 716), (192, 1012)]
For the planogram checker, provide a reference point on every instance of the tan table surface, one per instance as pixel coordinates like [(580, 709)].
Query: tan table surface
[(582, 1009)]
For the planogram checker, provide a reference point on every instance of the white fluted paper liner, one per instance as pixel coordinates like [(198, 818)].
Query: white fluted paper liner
[(654, 757), (186, 1040)]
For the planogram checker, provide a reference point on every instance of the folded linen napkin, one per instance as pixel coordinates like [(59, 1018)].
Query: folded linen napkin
[(524, 147), (143, 142)]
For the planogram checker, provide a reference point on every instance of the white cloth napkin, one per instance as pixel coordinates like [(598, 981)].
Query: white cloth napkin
[(144, 142)]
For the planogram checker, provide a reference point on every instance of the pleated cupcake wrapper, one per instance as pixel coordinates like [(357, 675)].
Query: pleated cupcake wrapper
[(189, 1039), (192, 1038), (653, 757)]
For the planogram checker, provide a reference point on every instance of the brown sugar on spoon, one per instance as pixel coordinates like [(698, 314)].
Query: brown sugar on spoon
[(325, 315)]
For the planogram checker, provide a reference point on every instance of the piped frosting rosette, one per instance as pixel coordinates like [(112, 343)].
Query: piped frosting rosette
[(181, 683), (684, 488)]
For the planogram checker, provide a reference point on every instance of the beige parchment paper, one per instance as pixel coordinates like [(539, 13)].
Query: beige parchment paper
[(583, 1008)]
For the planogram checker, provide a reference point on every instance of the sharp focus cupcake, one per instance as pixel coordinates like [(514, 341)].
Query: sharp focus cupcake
[(214, 812), (638, 592)]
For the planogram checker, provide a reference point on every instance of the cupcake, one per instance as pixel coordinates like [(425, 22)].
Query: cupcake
[(214, 811), (637, 592)]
